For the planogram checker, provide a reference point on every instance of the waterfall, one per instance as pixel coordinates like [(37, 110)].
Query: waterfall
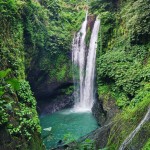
[(134, 132), (84, 67)]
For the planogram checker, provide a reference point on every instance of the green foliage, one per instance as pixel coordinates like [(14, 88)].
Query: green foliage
[(11, 38), (130, 117), (39, 31), (25, 94), (11, 47), (115, 66), (68, 90), (59, 69), (88, 144), (10, 9), (147, 145), (136, 16), (123, 64), (98, 6), (68, 138), (104, 149), (3, 115), (27, 122), (141, 94), (7, 87), (3, 73), (14, 83), (18, 116), (26, 119), (107, 26), (108, 91), (50, 41)]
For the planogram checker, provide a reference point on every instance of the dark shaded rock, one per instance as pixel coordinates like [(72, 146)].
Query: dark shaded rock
[(104, 110), (60, 142), (49, 94), (43, 86), (109, 105), (99, 136), (99, 113), (58, 103), (51, 89), (91, 19), (10, 143), (62, 147)]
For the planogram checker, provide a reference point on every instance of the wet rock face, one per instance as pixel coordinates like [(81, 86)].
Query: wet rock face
[(100, 136), (99, 113), (42, 85), (49, 95), (58, 103), (111, 109), (51, 98), (50, 90), (104, 110), (91, 19)]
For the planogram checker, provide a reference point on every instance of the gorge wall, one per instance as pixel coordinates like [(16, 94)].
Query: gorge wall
[(123, 69), (35, 40)]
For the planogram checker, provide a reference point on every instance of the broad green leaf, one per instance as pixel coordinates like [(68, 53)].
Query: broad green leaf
[(4, 73), (1, 93), (1, 90), (14, 83)]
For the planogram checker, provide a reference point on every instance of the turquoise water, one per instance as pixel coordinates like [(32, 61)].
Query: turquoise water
[(66, 125)]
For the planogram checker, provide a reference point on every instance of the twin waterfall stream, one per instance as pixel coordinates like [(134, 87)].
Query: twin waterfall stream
[(83, 59)]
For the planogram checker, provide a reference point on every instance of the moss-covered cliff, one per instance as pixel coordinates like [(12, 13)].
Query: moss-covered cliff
[(35, 39), (123, 66)]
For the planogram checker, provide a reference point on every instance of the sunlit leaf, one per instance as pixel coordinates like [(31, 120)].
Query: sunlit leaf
[(14, 83), (4, 73)]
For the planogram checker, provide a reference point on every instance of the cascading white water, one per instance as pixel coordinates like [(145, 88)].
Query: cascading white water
[(134, 132), (90, 68), (85, 63), (78, 58)]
